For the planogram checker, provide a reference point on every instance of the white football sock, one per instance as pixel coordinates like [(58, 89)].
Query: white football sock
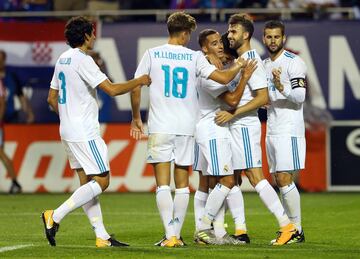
[(93, 212), (219, 227), (214, 202), (235, 202), (82, 195), (291, 200), (200, 199), (271, 200), (181, 202), (165, 205)]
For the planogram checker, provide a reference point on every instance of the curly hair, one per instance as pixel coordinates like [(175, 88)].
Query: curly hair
[(76, 29)]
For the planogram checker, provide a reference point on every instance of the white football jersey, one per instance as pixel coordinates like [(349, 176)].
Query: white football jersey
[(284, 116), (76, 77), (174, 70), (209, 104), (256, 81)]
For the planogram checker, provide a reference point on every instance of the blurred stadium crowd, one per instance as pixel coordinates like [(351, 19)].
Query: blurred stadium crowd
[(61, 5)]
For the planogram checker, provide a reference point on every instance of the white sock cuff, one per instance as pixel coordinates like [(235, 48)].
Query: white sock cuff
[(202, 196), (261, 185), (235, 189), (95, 187), (163, 188), (184, 190), (284, 190), (223, 189)]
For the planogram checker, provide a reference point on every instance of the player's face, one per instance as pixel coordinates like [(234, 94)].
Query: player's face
[(214, 45), (273, 40), (91, 41), (236, 36)]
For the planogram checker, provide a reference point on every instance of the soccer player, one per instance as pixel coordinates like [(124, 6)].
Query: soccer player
[(214, 143), (174, 70), (73, 96), (245, 128), (285, 134)]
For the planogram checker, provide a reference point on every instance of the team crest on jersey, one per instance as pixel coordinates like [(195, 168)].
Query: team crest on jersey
[(226, 168)]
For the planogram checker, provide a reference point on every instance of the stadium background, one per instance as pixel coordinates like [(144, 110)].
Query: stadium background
[(329, 48)]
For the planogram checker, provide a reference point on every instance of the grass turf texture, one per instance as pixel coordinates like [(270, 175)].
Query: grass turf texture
[(331, 223)]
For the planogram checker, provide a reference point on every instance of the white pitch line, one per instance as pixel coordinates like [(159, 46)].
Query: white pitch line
[(10, 248)]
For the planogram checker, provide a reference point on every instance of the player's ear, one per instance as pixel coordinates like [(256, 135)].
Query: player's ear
[(204, 49), (246, 35), (284, 39)]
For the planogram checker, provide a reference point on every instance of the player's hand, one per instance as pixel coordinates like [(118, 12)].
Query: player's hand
[(240, 61), (222, 117), (213, 59), (276, 72), (136, 129), (250, 67), (145, 80)]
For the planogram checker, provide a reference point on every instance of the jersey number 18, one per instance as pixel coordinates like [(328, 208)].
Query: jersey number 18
[(177, 81)]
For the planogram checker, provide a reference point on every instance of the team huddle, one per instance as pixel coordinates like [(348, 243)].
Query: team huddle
[(202, 113)]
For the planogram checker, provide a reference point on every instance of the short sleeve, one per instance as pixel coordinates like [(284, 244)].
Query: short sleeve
[(297, 69), (258, 79), (54, 84), (90, 72), (213, 88), (203, 67), (144, 65)]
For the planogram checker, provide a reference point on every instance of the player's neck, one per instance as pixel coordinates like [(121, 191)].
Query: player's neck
[(176, 41), (245, 47), (274, 56)]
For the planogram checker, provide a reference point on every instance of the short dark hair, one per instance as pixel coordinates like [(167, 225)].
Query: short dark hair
[(203, 35), (274, 24), (76, 29), (226, 43), (180, 21), (244, 20)]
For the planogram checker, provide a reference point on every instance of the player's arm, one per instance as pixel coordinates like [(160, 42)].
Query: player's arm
[(261, 98), (114, 89), (137, 129), (297, 92), (233, 98), (225, 76), (53, 99)]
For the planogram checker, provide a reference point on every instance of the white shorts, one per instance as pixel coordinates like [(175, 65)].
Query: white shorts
[(213, 157), (91, 155), (285, 153), (168, 147), (245, 146)]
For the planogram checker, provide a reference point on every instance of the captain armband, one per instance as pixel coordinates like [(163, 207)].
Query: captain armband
[(298, 82)]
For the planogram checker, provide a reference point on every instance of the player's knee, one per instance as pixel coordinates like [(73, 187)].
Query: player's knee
[(255, 175), (228, 181), (283, 179)]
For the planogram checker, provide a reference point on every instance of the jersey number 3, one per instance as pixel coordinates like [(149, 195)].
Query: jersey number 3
[(62, 94), (179, 80)]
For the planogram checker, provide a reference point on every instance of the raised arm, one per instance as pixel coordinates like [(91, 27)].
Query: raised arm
[(114, 89), (225, 76), (233, 98)]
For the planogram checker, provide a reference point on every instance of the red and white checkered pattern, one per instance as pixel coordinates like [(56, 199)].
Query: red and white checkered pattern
[(41, 52)]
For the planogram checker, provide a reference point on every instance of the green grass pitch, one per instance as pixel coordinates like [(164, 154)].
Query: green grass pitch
[(331, 222)]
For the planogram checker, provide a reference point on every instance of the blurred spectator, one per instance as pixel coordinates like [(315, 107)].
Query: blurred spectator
[(184, 4), (251, 3), (103, 5), (15, 186), (10, 5), (217, 3), (36, 5), (67, 5), (14, 89)]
